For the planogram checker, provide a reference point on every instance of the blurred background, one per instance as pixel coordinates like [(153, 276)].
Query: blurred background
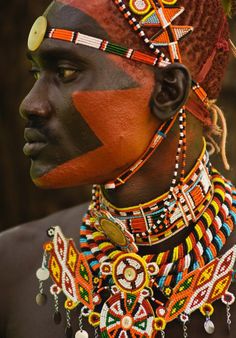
[(20, 200)]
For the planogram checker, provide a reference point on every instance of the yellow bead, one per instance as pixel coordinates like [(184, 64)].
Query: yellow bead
[(159, 324), (207, 309), (189, 244)]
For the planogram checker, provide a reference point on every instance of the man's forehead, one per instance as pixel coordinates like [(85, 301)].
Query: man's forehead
[(64, 16), (97, 9)]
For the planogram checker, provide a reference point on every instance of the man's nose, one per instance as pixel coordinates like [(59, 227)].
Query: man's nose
[(36, 103)]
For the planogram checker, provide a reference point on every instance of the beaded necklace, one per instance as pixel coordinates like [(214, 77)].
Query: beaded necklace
[(205, 240), (115, 288), (144, 220)]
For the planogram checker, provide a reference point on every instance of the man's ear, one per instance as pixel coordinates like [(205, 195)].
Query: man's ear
[(171, 90)]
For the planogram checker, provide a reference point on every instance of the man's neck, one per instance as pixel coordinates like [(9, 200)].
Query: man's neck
[(154, 178)]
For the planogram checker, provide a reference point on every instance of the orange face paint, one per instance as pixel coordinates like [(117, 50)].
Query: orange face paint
[(124, 126)]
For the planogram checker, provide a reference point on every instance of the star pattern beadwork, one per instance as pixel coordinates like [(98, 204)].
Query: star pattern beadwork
[(159, 15)]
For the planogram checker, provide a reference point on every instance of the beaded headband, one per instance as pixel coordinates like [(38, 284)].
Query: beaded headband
[(152, 14)]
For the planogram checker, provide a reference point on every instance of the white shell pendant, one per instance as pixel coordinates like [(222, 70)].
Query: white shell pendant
[(209, 326), (43, 274), (81, 334)]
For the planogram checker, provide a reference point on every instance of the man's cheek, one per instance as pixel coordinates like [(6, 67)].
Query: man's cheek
[(123, 125), (114, 115)]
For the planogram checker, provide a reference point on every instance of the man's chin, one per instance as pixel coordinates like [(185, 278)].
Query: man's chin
[(74, 173), (54, 176), (38, 171)]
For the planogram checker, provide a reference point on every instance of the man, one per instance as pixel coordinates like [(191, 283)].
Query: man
[(95, 117)]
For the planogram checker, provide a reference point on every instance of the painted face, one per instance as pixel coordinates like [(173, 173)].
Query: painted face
[(87, 115)]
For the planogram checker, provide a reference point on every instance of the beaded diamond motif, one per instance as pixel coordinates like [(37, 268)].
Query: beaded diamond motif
[(70, 270), (202, 286)]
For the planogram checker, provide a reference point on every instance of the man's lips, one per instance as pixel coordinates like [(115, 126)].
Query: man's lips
[(35, 142), (32, 135)]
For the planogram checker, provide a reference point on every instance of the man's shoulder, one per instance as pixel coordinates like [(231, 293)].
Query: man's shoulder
[(22, 245), (21, 252), (32, 232)]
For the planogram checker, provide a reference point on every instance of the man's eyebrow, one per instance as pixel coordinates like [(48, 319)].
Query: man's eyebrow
[(55, 53)]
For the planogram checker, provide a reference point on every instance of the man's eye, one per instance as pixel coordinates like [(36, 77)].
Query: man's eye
[(66, 73)]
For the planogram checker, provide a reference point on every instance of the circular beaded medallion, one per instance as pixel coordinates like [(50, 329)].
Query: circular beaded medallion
[(129, 273), (126, 315)]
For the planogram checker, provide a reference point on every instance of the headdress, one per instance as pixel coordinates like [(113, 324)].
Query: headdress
[(154, 22)]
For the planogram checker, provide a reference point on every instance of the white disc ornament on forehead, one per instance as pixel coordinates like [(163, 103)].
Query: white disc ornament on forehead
[(37, 33)]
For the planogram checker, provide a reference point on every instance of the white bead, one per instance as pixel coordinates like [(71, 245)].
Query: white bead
[(42, 274), (130, 274), (81, 334)]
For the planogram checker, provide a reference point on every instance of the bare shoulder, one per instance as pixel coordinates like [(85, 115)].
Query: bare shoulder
[(20, 257)]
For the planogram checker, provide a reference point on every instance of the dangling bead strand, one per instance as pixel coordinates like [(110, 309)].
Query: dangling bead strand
[(42, 275)]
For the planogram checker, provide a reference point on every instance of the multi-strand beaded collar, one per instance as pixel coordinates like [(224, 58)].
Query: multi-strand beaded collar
[(124, 294), (145, 220)]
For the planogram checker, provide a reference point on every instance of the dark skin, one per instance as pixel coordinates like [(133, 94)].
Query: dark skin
[(50, 109)]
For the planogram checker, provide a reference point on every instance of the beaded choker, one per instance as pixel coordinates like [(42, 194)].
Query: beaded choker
[(123, 294), (145, 221)]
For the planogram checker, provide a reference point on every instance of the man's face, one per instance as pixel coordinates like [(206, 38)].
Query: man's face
[(87, 115)]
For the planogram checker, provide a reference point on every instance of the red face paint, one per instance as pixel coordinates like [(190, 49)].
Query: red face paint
[(122, 121)]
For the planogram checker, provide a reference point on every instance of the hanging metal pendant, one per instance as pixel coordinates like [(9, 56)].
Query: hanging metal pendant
[(43, 274), (81, 334), (209, 326), (41, 299), (69, 332), (228, 299), (57, 318)]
